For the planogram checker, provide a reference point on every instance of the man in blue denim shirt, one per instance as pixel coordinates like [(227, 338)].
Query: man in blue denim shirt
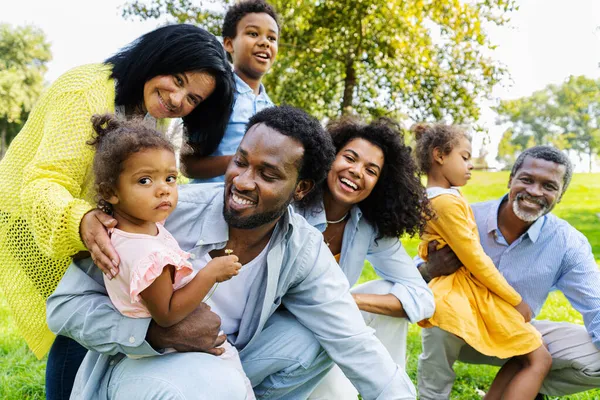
[(285, 351), (536, 252)]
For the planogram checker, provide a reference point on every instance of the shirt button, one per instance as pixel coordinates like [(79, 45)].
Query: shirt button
[(200, 242), (192, 256), (131, 339), (112, 362)]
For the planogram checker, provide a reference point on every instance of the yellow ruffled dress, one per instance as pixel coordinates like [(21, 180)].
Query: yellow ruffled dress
[(475, 303)]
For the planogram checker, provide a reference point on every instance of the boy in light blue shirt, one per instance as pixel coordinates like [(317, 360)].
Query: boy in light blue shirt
[(250, 37)]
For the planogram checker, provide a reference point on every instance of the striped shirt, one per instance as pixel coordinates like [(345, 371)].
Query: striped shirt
[(550, 255)]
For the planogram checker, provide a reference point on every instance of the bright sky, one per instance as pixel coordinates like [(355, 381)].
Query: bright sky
[(546, 41)]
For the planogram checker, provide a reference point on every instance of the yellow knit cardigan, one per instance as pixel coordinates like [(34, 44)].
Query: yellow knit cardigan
[(47, 186)]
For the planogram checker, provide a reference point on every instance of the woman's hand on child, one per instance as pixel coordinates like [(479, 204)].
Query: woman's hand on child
[(524, 309), (93, 229), (225, 267), (199, 331)]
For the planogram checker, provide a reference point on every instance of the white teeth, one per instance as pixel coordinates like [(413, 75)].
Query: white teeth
[(262, 55), (241, 201), (349, 183)]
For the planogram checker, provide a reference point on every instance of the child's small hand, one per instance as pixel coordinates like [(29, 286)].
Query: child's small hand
[(524, 310), (225, 267)]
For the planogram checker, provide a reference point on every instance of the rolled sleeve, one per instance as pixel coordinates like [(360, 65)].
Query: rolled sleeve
[(392, 263)]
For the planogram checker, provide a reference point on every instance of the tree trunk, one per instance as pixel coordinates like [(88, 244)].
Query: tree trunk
[(349, 84), (590, 155), (3, 139)]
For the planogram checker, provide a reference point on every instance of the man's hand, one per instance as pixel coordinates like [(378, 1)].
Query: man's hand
[(440, 262), (199, 331), (524, 309), (93, 229)]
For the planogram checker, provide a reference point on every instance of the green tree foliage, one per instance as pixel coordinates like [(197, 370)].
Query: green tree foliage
[(566, 116), (24, 53), (425, 59)]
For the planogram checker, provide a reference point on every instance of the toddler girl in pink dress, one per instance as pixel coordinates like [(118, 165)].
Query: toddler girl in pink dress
[(136, 180)]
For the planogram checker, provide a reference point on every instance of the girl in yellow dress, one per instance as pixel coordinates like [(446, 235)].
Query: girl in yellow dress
[(475, 303)]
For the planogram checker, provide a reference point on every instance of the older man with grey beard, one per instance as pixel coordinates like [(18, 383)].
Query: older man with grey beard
[(536, 252)]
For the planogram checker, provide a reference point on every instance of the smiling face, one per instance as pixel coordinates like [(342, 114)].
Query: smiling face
[(146, 190), (536, 188), (456, 166), (254, 47), (175, 96), (262, 178), (355, 171)]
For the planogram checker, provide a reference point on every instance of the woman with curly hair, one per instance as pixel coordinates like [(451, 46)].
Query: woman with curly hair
[(372, 196)]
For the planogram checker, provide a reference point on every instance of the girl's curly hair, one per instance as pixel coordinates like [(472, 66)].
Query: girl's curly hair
[(432, 136), (115, 141), (398, 203)]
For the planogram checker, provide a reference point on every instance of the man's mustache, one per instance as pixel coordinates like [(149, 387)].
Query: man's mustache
[(541, 201)]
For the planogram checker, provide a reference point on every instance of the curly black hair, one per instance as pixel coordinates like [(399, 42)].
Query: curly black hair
[(318, 147), (237, 11), (398, 203), (115, 141)]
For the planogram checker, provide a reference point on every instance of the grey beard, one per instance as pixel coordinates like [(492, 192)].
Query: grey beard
[(525, 216)]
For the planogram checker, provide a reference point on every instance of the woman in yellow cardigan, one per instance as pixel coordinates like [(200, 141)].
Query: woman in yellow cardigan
[(47, 208), (475, 303)]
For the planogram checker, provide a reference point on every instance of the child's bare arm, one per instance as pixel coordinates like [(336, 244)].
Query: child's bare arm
[(202, 167), (169, 307)]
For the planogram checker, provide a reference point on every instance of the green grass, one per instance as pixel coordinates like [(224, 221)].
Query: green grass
[(22, 375)]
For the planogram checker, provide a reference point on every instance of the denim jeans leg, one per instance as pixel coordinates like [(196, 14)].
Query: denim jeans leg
[(285, 361), (64, 360)]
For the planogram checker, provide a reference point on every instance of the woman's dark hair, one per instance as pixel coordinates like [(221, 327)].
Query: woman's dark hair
[(398, 203), (116, 140), (318, 148), (431, 136), (175, 49)]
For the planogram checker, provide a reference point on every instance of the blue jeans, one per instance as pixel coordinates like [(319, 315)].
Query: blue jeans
[(285, 361), (64, 360)]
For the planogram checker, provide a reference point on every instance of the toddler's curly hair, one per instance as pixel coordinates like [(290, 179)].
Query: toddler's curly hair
[(115, 141), (431, 136)]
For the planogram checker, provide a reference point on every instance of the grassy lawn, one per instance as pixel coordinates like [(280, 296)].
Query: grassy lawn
[(22, 376)]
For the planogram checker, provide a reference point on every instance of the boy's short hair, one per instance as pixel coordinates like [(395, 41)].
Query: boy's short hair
[(237, 11)]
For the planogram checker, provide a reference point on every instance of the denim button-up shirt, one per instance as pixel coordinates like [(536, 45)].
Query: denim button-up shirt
[(246, 104), (389, 259), (300, 274)]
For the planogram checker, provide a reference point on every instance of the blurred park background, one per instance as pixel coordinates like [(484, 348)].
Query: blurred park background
[(515, 72)]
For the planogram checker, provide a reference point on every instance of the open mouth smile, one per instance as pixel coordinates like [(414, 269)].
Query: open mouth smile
[(348, 185), (164, 104), (262, 56)]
